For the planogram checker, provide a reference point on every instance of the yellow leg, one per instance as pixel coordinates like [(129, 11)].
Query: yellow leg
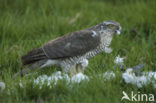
[(80, 68), (73, 71)]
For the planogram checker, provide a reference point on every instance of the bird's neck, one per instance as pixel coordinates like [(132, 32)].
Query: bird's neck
[(106, 39)]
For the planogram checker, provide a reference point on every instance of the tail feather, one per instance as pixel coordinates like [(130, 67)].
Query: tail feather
[(33, 56), (30, 68)]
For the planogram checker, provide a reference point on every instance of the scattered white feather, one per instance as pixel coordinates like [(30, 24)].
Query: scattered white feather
[(41, 80), (130, 77), (108, 75), (55, 77), (152, 74), (118, 60), (2, 86), (79, 77)]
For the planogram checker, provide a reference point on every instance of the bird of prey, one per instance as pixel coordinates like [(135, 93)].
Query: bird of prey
[(72, 52)]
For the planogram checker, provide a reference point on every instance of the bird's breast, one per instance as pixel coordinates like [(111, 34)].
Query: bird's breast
[(105, 42)]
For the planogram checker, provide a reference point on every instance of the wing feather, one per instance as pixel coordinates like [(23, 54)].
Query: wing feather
[(74, 44)]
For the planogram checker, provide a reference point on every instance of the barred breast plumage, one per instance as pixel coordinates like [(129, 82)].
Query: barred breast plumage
[(104, 42)]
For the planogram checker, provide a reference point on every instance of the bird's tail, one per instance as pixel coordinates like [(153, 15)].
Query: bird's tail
[(33, 56), (30, 68)]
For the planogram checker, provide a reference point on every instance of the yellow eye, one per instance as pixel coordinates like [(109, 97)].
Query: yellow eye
[(111, 26)]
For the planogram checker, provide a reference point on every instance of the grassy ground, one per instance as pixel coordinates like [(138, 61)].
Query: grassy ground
[(27, 24)]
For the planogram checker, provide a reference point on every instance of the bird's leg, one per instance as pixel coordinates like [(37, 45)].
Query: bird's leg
[(82, 65), (79, 68), (73, 71), (68, 68)]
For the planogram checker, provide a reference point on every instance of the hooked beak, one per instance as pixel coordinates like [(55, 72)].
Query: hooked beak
[(119, 30)]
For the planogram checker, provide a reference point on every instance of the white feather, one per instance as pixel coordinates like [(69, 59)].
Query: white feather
[(94, 33), (50, 62)]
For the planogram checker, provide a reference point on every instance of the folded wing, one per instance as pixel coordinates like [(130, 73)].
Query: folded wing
[(74, 44)]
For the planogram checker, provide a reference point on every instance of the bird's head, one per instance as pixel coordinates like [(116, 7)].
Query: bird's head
[(108, 27)]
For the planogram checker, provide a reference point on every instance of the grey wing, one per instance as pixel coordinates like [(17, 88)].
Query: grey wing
[(74, 44)]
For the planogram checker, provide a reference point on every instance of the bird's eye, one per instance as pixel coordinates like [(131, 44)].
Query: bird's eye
[(111, 26)]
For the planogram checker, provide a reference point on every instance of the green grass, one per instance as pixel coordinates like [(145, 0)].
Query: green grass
[(28, 24)]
